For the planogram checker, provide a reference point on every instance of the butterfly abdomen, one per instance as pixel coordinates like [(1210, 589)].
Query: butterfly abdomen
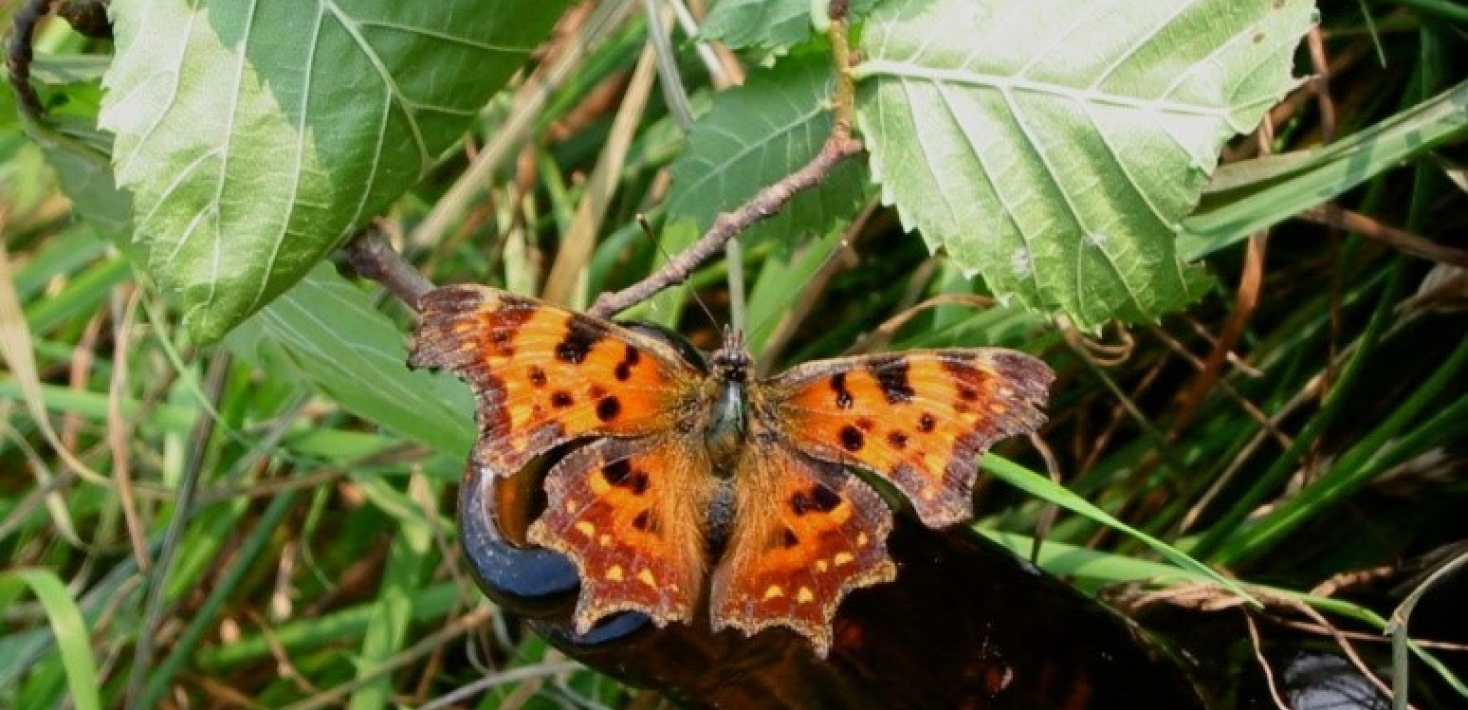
[(719, 522)]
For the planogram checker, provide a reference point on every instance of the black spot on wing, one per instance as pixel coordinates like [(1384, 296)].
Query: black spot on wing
[(623, 370), (965, 371), (562, 399), (608, 408), (643, 521), (843, 395), (622, 475), (891, 374), (819, 498), (852, 439), (582, 335), (926, 423), (617, 471)]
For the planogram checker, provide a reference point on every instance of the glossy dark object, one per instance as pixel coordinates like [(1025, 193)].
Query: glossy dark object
[(966, 625)]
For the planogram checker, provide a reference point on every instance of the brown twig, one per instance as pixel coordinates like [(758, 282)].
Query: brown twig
[(839, 146), (22, 51), (88, 17), (729, 224), (375, 259), (1333, 216), (1258, 646), (1251, 283), (1224, 386), (1051, 511), (119, 433)]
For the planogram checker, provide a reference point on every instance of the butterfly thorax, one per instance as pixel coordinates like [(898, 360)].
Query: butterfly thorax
[(728, 420)]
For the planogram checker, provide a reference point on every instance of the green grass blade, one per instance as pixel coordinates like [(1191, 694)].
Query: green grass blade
[(386, 633), (1041, 487), (72, 637), (205, 618), (1248, 196), (1350, 472)]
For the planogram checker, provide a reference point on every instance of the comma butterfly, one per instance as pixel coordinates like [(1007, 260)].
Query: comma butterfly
[(692, 465)]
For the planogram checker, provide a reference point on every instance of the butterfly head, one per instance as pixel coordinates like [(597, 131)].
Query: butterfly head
[(732, 361)]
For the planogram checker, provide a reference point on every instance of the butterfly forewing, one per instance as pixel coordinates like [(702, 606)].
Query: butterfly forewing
[(919, 419), (626, 512), (544, 375), (807, 533)]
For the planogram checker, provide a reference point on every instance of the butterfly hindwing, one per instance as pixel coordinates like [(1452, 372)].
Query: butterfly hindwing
[(627, 512), (806, 534), (543, 375), (919, 419)]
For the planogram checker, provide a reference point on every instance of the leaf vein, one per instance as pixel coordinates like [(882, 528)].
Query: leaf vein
[(390, 84), (445, 36), (882, 67)]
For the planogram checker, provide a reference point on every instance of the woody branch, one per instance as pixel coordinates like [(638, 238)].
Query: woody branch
[(839, 146), (20, 53)]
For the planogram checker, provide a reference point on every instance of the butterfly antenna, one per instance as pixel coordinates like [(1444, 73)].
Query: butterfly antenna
[(647, 229)]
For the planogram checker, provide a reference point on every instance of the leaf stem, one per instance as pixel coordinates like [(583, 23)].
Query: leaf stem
[(843, 99)]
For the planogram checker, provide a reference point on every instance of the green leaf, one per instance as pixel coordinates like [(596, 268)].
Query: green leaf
[(73, 639), (69, 87), (774, 25), (256, 136), (782, 279), (1245, 197), (1054, 146), (666, 307), (85, 173), (326, 330), (771, 24), (756, 134)]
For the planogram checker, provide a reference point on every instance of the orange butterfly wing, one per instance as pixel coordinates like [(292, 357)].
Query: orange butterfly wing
[(626, 512), (920, 419), (807, 533), (544, 375)]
